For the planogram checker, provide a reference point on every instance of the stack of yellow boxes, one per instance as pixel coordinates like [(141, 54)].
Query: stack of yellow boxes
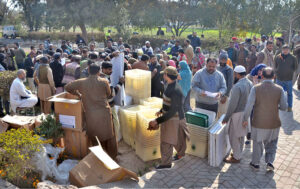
[(147, 142), (135, 119), (138, 84), (152, 102), (128, 117), (198, 144)]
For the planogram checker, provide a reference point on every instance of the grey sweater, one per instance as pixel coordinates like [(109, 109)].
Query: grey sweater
[(204, 81), (238, 97)]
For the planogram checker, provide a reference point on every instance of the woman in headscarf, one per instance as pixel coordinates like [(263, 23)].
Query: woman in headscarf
[(256, 73), (198, 60), (184, 80), (172, 63)]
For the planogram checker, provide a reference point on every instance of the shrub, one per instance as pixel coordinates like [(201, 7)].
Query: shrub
[(49, 128), (137, 41), (17, 147)]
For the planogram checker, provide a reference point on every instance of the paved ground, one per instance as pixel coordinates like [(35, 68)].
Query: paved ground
[(195, 172)]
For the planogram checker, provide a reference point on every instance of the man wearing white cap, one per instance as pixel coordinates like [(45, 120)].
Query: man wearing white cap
[(235, 112), (147, 49)]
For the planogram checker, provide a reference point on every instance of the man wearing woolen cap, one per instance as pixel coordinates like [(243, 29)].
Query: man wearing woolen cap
[(235, 112), (173, 127)]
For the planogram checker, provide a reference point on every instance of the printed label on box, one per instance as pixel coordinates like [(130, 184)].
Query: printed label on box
[(67, 121)]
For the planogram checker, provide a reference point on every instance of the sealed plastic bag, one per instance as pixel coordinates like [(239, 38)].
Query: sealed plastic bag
[(48, 167)]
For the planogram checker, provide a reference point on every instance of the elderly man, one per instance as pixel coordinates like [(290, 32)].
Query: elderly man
[(209, 85), (285, 67), (94, 92), (266, 55), (267, 98), (235, 112), (20, 97)]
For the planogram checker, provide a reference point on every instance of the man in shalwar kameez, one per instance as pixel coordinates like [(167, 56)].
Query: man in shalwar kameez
[(235, 112)]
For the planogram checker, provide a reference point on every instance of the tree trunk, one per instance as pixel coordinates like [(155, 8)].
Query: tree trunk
[(83, 31)]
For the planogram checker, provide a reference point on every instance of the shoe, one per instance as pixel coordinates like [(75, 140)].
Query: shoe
[(247, 142), (163, 167), (270, 167), (254, 167), (231, 159), (177, 157), (2, 114), (248, 136), (290, 109)]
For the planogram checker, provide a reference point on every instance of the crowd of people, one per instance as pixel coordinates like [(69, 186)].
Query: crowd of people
[(247, 82)]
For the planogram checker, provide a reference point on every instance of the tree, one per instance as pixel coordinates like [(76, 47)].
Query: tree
[(145, 14), (4, 9), (82, 13), (33, 11), (180, 14)]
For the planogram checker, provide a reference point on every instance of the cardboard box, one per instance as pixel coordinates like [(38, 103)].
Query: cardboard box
[(76, 143), (27, 122), (68, 110), (3, 126), (98, 168)]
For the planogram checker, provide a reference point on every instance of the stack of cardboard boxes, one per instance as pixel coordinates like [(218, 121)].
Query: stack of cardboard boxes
[(69, 112)]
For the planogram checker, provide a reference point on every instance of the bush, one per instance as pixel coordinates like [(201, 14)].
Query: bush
[(137, 41), (17, 147), (49, 128)]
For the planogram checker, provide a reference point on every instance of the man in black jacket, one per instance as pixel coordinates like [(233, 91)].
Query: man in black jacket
[(285, 67), (171, 117), (57, 70), (29, 67)]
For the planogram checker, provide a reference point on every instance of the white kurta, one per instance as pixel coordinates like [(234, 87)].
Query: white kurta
[(18, 90)]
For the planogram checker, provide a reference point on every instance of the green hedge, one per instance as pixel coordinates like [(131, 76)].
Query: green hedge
[(209, 44)]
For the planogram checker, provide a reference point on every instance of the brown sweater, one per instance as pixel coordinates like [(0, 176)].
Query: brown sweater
[(265, 114)]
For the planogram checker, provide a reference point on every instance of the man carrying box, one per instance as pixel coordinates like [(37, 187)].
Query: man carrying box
[(173, 129), (94, 92)]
